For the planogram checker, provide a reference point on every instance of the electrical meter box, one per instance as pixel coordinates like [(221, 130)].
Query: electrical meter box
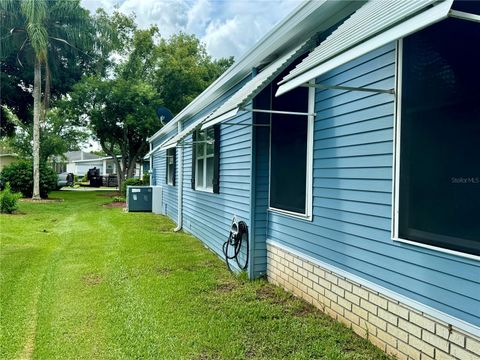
[(139, 198)]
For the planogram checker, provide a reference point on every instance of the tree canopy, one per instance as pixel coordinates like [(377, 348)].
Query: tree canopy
[(120, 107), (100, 72)]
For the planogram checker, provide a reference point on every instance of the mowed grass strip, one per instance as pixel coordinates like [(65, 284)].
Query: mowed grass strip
[(82, 281)]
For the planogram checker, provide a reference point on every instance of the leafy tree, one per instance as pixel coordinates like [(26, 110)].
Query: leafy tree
[(184, 69), (150, 71), (121, 114), (58, 135), (57, 38)]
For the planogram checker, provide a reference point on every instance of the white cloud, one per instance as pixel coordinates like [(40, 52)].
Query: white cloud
[(228, 28)]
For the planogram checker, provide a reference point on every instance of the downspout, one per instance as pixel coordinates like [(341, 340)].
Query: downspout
[(150, 165), (180, 183)]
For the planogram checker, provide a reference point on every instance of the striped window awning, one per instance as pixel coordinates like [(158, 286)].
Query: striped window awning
[(374, 25), (243, 96)]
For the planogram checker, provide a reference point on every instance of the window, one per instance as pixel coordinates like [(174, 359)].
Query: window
[(171, 163), (206, 160), (291, 153), (438, 193)]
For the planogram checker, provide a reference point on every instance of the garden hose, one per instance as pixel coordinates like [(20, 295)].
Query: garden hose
[(237, 245)]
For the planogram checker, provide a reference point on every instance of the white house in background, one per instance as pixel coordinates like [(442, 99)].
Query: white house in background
[(65, 163), (106, 165)]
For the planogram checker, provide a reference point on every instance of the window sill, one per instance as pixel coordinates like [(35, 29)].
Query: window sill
[(205, 190), (437, 248), (290, 214)]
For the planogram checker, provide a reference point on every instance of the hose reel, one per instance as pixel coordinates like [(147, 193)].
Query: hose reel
[(236, 247)]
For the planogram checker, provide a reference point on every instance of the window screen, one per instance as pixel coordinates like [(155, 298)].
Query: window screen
[(171, 166), (288, 156), (440, 137)]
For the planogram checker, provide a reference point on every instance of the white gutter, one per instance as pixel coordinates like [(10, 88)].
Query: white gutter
[(180, 184)]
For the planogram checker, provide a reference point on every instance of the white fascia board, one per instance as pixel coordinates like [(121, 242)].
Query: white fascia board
[(220, 118), (308, 18), (414, 24)]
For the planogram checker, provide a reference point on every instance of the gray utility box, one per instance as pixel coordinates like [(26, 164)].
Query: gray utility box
[(157, 201), (139, 198)]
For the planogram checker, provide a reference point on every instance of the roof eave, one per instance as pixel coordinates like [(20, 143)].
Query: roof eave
[(286, 34)]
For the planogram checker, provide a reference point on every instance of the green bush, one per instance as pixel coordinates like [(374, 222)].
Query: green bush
[(130, 182), (146, 178), (8, 200), (20, 176)]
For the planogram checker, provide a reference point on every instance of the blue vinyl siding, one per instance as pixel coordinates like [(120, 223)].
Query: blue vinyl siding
[(169, 192), (208, 216), (352, 197)]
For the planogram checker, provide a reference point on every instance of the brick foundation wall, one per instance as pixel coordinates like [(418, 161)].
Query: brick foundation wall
[(392, 326)]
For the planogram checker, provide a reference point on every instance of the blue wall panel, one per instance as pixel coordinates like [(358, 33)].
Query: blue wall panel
[(169, 192), (206, 215), (352, 197)]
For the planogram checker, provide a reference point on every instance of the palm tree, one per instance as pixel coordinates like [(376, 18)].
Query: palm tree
[(48, 31)]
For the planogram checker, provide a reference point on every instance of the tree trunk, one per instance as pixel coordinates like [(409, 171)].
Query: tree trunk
[(46, 96), (37, 109)]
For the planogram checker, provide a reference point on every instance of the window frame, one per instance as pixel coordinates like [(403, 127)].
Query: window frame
[(308, 214), (395, 225), (204, 157), (172, 181)]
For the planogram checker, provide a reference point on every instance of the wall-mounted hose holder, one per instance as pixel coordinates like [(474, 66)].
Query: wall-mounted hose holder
[(236, 247)]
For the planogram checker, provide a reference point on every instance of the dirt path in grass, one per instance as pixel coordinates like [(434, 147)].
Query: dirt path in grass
[(31, 333)]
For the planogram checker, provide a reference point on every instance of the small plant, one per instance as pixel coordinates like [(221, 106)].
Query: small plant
[(118, 199), (8, 200), (146, 178), (130, 182)]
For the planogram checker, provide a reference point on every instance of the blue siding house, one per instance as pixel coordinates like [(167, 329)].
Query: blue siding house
[(347, 141)]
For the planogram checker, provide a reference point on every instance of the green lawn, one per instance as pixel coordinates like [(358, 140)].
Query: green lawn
[(82, 281)]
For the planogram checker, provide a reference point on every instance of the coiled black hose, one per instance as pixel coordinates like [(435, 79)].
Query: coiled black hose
[(237, 245)]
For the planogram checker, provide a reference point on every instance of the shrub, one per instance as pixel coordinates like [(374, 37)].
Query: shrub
[(146, 178), (130, 182), (8, 200), (20, 176), (118, 199)]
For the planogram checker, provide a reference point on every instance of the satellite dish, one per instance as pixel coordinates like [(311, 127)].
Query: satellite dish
[(164, 115)]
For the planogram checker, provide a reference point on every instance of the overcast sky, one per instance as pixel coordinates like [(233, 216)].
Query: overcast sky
[(227, 27)]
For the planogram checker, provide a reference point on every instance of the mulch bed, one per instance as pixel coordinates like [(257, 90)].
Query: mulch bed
[(42, 201), (109, 194), (116, 204)]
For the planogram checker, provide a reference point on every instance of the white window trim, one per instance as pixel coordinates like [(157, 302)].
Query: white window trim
[(396, 166), (308, 215), (204, 188)]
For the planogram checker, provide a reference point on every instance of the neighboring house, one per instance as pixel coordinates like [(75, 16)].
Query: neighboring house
[(106, 165), (66, 163), (79, 162), (7, 159), (348, 141)]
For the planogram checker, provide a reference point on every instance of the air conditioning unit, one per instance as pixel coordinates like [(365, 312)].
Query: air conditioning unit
[(139, 198), (157, 200)]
